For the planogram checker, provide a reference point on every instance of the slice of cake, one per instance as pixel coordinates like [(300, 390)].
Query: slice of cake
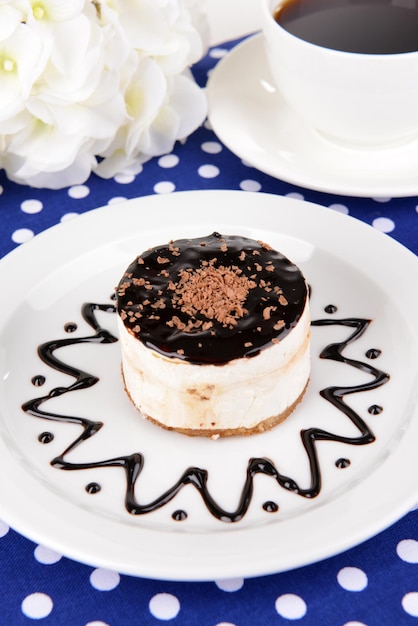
[(214, 335)]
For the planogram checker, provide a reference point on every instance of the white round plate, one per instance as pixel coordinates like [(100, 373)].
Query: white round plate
[(362, 272), (250, 117)]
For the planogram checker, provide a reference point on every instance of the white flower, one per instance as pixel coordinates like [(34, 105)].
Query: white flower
[(95, 85), (23, 56), (46, 12)]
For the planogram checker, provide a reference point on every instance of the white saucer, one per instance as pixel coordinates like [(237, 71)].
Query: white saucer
[(251, 118)]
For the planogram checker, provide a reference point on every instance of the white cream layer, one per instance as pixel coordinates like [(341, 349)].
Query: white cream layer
[(239, 394)]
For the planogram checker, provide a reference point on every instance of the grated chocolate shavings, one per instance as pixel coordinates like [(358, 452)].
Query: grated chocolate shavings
[(278, 325), (267, 312), (264, 245), (158, 304), (217, 293), (176, 322)]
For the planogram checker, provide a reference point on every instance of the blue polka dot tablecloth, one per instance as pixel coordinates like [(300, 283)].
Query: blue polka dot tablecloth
[(373, 584)]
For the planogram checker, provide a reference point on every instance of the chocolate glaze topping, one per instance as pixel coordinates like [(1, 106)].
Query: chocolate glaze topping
[(211, 299)]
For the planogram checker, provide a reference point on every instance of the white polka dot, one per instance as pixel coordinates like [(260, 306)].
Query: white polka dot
[(352, 579), (164, 606), (117, 200), (164, 186), (230, 584), (37, 605), (31, 206), (1, 190), (69, 216), (384, 224), (4, 529), (354, 624), (410, 603), (250, 185), (246, 163), (22, 234), (207, 125), (168, 160), (382, 199), (124, 179), (211, 147), (78, 191), (407, 550), (104, 580), (97, 623), (217, 53), (46, 556), (224, 624), (340, 208), (208, 171), (291, 606), (295, 195)]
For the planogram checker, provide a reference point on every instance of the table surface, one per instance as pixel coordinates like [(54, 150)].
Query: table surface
[(373, 584)]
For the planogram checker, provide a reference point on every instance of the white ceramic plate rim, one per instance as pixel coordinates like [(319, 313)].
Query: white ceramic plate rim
[(250, 117), (323, 531)]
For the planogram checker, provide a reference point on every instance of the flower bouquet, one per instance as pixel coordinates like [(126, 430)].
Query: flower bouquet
[(95, 85)]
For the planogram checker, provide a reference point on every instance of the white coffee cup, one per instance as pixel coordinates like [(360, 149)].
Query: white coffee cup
[(365, 100)]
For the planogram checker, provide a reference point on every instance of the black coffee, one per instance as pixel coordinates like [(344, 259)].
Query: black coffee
[(364, 26)]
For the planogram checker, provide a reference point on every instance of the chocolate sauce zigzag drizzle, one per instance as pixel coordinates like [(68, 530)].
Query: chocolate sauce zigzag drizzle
[(83, 380), (335, 395), (133, 464)]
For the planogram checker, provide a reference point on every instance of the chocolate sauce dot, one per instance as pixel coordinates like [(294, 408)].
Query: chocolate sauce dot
[(330, 308), (373, 353), (45, 437), (93, 488), (179, 516), (113, 296), (38, 381), (375, 409), (270, 507), (70, 327), (342, 463)]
